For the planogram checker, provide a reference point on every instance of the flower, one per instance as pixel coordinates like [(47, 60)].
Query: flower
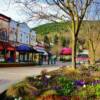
[(20, 98), (84, 85), (35, 93), (48, 76), (79, 82), (56, 87)]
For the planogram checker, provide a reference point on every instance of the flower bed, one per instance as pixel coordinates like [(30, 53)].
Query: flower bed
[(62, 84)]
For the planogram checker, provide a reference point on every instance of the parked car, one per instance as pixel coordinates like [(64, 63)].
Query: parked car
[(82, 59)]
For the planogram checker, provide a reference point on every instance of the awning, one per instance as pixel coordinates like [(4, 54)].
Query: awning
[(24, 48), (66, 51), (40, 50), (6, 46), (1, 47), (10, 48)]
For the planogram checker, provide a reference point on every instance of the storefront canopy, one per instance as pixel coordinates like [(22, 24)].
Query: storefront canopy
[(40, 50), (66, 51), (1, 47), (6, 46), (24, 48)]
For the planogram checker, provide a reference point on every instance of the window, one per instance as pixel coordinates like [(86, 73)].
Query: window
[(27, 37), (21, 35)]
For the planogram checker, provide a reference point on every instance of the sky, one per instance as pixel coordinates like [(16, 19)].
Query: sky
[(10, 9)]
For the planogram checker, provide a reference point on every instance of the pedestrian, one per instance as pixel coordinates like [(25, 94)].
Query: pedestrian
[(49, 58), (55, 59)]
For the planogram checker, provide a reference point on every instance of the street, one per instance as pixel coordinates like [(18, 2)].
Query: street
[(11, 75)]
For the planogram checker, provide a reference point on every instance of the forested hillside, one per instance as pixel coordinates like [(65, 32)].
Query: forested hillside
[(61, 32), (59, 27)]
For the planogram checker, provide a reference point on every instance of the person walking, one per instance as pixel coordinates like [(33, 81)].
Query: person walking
[(55, 59), (49, 58)]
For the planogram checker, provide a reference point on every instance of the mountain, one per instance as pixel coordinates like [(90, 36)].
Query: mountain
[(59, 27), (51, 27)]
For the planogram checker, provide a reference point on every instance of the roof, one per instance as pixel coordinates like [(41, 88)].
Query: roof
[(1, 15)]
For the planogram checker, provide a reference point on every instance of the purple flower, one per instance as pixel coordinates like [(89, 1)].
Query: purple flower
[(45, 83), (95, 82), (56, 87), (35, 93), (79, 82)]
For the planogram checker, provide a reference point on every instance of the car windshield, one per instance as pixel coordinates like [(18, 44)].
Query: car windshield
[(83, 55)]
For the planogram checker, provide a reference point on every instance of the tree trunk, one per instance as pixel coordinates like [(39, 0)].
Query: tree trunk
[(93, 57), (74, 51), (92, 52)]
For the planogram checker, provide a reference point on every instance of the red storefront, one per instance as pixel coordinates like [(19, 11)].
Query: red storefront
[(7, 53)]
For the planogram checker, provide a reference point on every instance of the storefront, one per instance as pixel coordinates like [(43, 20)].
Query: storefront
[(25, 54), (7, 53), (2, 59), (41, 55), (10, 54)]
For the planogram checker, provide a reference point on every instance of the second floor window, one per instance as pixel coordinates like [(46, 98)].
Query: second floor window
[(3, 34)]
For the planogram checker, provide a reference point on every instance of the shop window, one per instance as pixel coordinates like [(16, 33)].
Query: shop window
[(2, 59), (21, 35)]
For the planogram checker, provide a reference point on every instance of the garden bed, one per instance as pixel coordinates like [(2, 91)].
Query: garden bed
[(62, 84)]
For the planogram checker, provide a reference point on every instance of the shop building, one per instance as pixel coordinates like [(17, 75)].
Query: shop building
[(18, 43), (23, 33), (13, 31), (32, 39), (4, 27), (7, 51)]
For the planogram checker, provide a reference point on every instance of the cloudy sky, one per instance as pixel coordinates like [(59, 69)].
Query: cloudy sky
[(8, 8)]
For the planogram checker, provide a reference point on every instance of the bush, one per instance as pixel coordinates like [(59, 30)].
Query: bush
[(90, 92), (49, 92), (67, 86)]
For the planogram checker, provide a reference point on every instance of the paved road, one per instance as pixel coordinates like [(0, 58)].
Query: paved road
[(9, 76)]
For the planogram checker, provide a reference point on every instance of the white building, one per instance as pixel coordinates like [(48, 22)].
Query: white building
[(33, 38), (23, 33), (13, 31)]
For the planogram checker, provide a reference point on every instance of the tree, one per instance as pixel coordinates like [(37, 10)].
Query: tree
[(93, 34), (93, 40), (65, 41), (56, 39), (60, 10), (81, 42), (46, 43)]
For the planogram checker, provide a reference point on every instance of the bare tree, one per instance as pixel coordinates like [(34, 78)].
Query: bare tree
[(93, 36), (93, 41), (59, 10)]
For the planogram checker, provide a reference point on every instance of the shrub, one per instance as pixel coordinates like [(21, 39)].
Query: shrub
[(49, 92), (67, 86), (97, 90), (21, 89)]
